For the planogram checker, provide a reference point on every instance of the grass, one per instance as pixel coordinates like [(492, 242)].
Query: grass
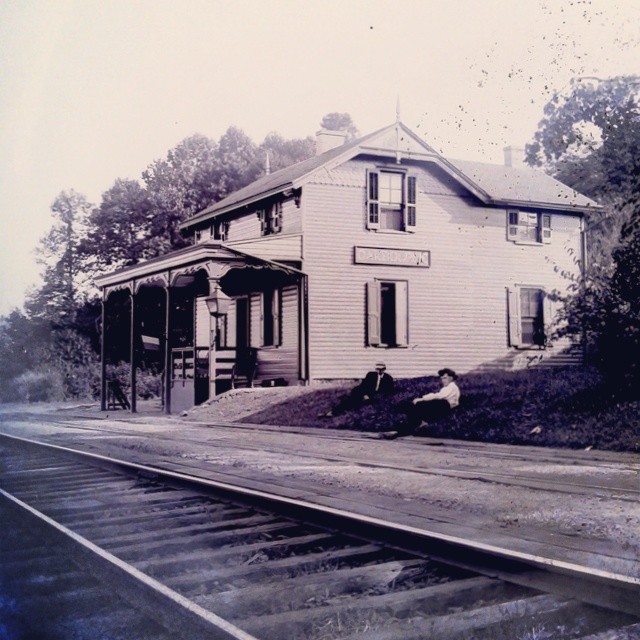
[(561, 407)]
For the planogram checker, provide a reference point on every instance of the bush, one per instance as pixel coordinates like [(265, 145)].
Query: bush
[(148, 381), (39, 386)]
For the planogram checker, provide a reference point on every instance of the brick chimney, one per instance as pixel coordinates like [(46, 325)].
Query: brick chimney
[(514, 157), (327, 139)]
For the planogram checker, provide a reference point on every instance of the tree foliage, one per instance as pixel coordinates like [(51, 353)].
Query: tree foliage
[(119, 229), (64, 277), (340, 122), (591, 141), (50, 350)]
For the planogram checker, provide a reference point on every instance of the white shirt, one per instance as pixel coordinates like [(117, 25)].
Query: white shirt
[(450, 393)]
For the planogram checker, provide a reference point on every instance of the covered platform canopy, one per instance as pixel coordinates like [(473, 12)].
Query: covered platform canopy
[(152, 305)]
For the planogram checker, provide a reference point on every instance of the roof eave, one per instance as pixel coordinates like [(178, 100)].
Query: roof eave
[(566, 207), (179, 258), (213, 212)]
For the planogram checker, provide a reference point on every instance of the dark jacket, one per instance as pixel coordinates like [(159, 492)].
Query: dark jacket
[(368, 385)]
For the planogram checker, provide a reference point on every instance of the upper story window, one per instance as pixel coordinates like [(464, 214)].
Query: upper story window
[(391, 201), (270, 219), (528, 228), (220, 230)]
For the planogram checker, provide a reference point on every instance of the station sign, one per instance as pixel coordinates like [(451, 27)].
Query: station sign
[(396, 257)]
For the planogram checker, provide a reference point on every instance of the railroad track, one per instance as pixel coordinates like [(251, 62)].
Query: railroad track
[(465, 471), (203, 559)]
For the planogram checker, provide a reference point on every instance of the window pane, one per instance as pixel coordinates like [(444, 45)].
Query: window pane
[(531, 315), (391, 188), (391, 219)]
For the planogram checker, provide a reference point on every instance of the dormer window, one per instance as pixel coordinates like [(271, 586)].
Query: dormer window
[(391, 201), (528, 228)]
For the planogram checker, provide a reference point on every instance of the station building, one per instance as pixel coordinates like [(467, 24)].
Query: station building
[(375, 249)]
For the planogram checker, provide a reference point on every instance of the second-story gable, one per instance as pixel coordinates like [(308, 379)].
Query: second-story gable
[(393, 170)]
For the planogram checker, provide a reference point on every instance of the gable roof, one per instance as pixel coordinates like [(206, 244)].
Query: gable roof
[(522, 185), (492, 184), (283, 179)]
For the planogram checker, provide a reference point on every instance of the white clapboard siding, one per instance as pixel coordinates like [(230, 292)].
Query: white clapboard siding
[(276, 247), (457, 307), (247, 225)]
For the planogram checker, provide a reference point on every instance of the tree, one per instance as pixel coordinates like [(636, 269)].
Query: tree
[(179, 186), (590, 140), (119, 229), (340, 122), (283, 153), (64, 276)]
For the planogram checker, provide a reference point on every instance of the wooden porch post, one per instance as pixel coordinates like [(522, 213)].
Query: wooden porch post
[(132, 349), (167, 351), (103, 350)]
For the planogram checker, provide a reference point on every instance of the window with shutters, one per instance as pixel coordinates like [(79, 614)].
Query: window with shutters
[(528, 228), (270, 219), (220, 230), (271, 318), (387, 313), (529, 317), (391, 201)]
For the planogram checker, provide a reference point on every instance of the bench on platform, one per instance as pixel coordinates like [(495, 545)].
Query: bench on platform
[(116, 397)]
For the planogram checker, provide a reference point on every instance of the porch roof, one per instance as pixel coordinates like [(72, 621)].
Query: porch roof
[(189, 258)]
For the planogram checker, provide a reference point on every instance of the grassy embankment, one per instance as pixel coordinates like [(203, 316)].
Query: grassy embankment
[(568, 407)]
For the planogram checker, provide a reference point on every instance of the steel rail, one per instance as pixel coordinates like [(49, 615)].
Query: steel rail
[(450, 472), (154, 597), (305, 509)]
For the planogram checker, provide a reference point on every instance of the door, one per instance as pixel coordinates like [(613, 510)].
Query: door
[(182, 379)]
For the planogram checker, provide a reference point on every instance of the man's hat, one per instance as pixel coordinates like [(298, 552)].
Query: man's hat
[(381, 365)]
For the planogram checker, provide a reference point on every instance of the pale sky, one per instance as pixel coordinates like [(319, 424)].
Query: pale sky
[(94, 90)]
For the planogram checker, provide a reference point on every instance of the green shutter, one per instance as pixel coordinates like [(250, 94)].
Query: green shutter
[(276, 220), (545, 228), (373, 314), (262, 216), (410, 206), (515, 326), (512, 226), (373, 206)]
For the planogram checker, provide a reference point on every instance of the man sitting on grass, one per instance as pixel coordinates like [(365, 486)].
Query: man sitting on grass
[(430, 408), (376, 383)]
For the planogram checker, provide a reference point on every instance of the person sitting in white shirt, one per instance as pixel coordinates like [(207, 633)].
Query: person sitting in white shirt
[(429, 407)]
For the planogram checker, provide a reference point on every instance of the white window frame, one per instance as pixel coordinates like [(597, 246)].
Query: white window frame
[(515, 318), (406, 206), (520, 224), (374, 315)]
